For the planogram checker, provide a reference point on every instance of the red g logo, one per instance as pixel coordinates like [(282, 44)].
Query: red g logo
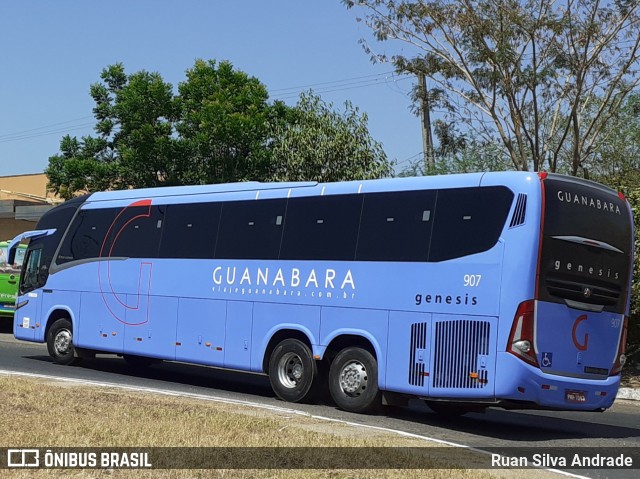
[(585, 343), (131, 309)]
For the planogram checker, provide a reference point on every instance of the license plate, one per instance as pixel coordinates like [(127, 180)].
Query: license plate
[(575, 396)]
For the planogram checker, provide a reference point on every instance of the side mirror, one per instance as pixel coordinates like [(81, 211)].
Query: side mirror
[(11, 256), (12, 248)]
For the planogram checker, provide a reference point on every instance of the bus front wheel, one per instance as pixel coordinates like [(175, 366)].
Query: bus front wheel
[(60, 342), (293, 371), (353, 381)]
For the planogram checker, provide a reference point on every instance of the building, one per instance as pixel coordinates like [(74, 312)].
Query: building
[(23, 200)]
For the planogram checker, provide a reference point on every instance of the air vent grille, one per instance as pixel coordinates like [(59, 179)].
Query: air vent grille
[(519, 212), (459, 346), (418, 344)]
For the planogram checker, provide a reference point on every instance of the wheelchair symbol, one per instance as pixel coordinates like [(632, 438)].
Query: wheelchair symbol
[(547, 360)]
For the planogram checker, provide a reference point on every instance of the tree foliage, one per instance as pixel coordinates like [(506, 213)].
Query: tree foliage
[(322, 144), (629, 184), (458, 152), (522, 73), (218, 127), (223, 121), (135, 143), (617, 164)]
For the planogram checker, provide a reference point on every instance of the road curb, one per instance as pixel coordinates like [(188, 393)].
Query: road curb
[(629, 393)]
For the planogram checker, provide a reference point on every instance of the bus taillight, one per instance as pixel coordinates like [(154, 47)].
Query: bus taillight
[(521, 340), (621, 358)]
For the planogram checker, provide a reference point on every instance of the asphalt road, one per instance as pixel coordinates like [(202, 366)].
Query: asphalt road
[(617, 428)]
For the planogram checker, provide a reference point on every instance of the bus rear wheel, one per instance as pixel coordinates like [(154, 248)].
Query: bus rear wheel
[(353, 381), (60, 342), (293, 371)]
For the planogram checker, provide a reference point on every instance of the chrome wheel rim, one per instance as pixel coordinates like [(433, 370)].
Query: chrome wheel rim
[(290, 370), (62, 342), (353, 378)]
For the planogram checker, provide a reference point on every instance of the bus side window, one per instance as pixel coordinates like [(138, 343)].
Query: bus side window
[(135, 232), (251, 229), (86, 235), (396, 226), (190, 230), (468, 220), (322, 228)]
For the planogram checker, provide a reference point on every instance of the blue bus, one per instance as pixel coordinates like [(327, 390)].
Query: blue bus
[(467, 291)]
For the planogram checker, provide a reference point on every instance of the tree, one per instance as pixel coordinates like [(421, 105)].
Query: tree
[(617, 164), (136, 116), (76, 168), (319, 143), (219, 127), (215, 130), (525, 73), (629, 184), (458, 153), (135, 145), (224, 123), (617, 154)]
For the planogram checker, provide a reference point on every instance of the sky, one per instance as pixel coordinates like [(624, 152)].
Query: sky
[(52, 51)]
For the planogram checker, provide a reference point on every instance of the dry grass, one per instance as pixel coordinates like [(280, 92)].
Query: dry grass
[(53, 414), (630, 376)]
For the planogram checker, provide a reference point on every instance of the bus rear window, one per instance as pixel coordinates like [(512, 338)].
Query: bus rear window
[(585, 256), (578, 209)]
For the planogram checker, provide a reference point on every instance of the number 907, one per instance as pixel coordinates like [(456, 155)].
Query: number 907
[(472, 280)]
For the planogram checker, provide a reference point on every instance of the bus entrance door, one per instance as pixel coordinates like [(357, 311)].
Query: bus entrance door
[(24, 324), (33, 278), (29, 304)]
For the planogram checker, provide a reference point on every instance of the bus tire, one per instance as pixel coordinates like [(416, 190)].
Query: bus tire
[(293, 371), (353, 381), (60, 342)]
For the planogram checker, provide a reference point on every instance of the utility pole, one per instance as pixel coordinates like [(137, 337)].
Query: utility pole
[(427, 139)]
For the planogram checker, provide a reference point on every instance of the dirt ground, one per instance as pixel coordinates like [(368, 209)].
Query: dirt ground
[(630, 377)]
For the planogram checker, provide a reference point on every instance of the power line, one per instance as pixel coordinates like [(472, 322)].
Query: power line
[(341, 85), (28, 136), (410, 158), (22, 132), (312, 85), (344, 84)]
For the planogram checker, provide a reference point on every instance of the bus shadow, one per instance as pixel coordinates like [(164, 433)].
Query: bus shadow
[(6, 325), (526, 427), (174, 373)]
